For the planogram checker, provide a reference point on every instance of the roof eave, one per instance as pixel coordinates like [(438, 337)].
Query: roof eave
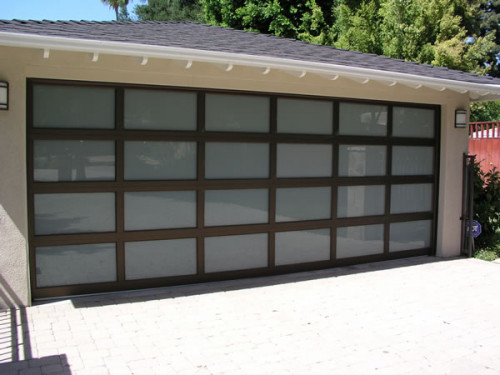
[(476, 91)]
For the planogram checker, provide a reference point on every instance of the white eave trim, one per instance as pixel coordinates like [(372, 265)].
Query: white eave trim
[(476, 91)]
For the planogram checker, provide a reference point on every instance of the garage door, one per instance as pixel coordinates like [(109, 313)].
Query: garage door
[(133, 187)]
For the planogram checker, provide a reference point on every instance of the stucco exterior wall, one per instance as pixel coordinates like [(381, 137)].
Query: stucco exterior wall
[(17, 64)]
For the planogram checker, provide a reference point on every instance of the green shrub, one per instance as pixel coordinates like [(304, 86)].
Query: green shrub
[(487, 207)]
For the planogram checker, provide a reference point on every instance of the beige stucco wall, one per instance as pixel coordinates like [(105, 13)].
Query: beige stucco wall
[(17, 64)]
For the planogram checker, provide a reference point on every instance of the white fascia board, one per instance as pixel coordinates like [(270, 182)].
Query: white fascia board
[(487, 91)]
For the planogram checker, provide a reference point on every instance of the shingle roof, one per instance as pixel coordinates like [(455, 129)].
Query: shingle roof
[(214, 38)]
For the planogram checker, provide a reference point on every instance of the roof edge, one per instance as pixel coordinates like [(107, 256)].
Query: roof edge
[(477, 91)]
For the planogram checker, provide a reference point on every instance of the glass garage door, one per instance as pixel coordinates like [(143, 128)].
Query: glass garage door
[(134, 187)]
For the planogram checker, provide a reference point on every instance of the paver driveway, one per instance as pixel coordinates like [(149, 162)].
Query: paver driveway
[(414, 316)]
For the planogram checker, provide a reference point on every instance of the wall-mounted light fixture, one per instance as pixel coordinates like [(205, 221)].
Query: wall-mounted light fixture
[(461, 118), (4, 95)]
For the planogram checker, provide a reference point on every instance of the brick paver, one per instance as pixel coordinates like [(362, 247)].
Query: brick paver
[(412, 316)]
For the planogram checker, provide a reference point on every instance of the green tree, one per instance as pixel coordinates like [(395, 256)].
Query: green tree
[(170, 10), (487, 205), (303, 20), (357, 26), (119, 6), (485, 111)]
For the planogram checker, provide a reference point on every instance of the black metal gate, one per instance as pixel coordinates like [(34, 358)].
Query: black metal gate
[(467, 242)]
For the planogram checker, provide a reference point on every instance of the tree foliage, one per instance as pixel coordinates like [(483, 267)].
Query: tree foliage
[(303, 20), (170, 10), (120, 8), (487, 204)]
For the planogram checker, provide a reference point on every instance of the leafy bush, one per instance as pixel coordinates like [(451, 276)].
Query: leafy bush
[(487, 206)]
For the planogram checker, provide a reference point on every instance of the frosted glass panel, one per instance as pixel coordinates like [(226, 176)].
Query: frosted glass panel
[(75, 264), (160, 210), (235, 252), (73, 107), (160, 110), (160, 160), (360, 160), (74, 160), (412, 160), (362, 119), (410, 235), (237, 113), (294, 204), (233, 207), (305, 116), (302, 246), (413, 122), (360, 240), (411, 198), (74, 213), (360, 200), (304, 160), (236, 160), (149, 259)]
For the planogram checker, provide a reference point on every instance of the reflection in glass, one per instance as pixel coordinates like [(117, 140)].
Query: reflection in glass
[(147, 210), (411, 198), (74, 213), (305, 116), (413, 122), (412, 160), (160, 160), (361, 160), (73, 107), (304, 160), (150, 259), (410, 235), (237, 113), (236, 160), (75, 264), (360, 240), (74, 160), (234, 207), (239, 252), (360, 200), (362, 119), (302, 246), (160, 110), (294, 204)]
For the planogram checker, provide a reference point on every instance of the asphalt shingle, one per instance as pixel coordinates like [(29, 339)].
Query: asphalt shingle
[(214, 38)]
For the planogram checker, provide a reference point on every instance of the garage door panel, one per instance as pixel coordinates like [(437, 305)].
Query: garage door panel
[(160, 210), (164, 258), (362, 160), (236, 207), (304, 160), (307, 203), (230, 253), (236, 160), (74, 213), (363, 200), (412, 160), (57, 106), (407, 198), (413, 122), (75, 264), (363, 119), (302, 246), (73, 160), (362, 240), (160, 160), (410, 235), (159, 110), (237, 113), (297, 116)]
